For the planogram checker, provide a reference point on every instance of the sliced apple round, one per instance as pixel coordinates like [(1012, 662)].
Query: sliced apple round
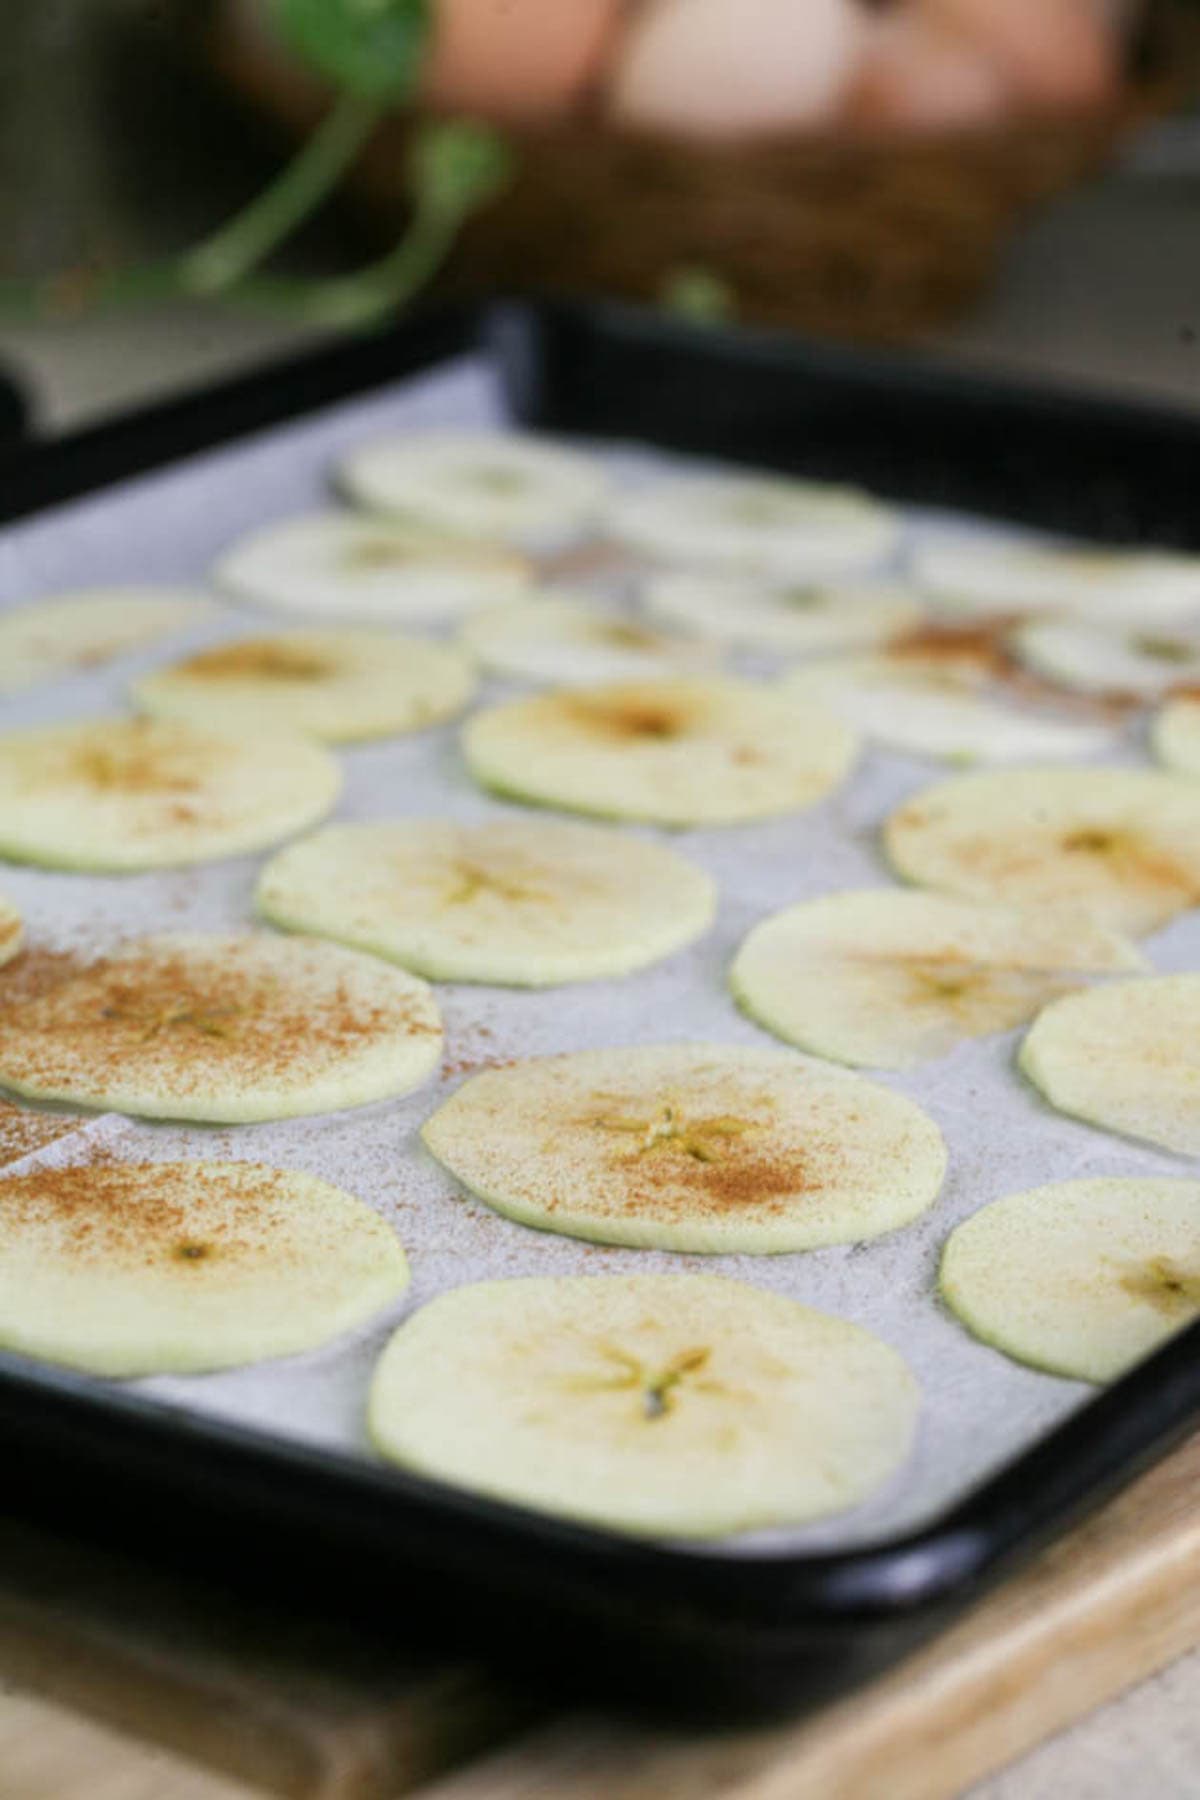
[(1099, 660), (682, 752), (1139, 588), (1124, 843), (682, 1405), (63, 634), (123, 794), (227, 1029), (930, 709), (756, 525), (887, 979), (803, 619), (342, 567), (701, 1147), (1175, 735), (1125, 1058), (561, 639), (482, 484), (530, 903), (126, 1269), (341, 686), (1080, 1278)]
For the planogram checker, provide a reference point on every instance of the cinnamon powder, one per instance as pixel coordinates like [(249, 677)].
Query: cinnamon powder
[(36, 969), (188, 1017), (23, 1130), (107, 1209)]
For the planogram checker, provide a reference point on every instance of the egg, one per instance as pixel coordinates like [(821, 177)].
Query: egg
[(1055, 52), (915, 71), (727, 68), (518, 60)]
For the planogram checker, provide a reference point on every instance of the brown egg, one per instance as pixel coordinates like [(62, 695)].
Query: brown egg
[(725, 68), (516, 59), (915, 71), (1055, 52)]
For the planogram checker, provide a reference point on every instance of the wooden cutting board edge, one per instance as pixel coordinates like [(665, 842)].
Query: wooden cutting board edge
[(316, 1720), (1098, 1612)]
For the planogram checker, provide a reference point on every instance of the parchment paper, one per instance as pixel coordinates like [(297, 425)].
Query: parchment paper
[(979, 1408)]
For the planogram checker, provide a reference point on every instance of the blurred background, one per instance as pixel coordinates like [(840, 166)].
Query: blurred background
[(1008, 183)]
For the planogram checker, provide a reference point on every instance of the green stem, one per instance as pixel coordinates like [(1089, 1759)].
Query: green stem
[(452, 179), (249, 238), (224, 260), (354, 302)]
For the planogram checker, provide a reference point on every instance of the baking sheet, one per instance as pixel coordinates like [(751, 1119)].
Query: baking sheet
[(979, 1408)]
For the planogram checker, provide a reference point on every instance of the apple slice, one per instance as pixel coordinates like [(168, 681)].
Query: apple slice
[(757, 525), (888, 978), (1103, 660), (682, 752), (62, 634), (801, 618), (525, 902), (680, 1405), (1124, 843), (702, 1147), (1125, 1058), (341, 567), (227, 1029), (341, 686), (564, 641), (520, 490), (932, 708), (982, 576), (163, 1268), (122, 794), (1080, 1278)]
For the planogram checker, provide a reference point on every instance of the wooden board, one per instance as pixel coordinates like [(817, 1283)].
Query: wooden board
[(154, 1684), (310, 1712)]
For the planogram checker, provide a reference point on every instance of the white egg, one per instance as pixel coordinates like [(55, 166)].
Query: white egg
[(723, 68)]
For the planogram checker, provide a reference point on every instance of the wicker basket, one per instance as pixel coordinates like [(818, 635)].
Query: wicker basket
[(877, 238)]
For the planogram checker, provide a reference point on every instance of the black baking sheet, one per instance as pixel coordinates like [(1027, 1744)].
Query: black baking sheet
[(763, 1628)]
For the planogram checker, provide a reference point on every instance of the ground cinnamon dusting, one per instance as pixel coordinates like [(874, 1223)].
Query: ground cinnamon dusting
[(981, 645), (36, 969), (191, 1018), (674, 1160), (629, 720), (22, 1130), (468, 1052), (767, 1183), (133, 758), (147, 1213), (259, 659), (1107, 708), (473, 1065)]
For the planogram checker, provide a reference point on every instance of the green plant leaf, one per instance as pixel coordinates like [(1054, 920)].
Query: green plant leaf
[(700, 295), (373, 48), (458, 165)]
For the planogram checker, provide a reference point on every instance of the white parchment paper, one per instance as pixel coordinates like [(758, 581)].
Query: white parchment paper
[(979, 1408)]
